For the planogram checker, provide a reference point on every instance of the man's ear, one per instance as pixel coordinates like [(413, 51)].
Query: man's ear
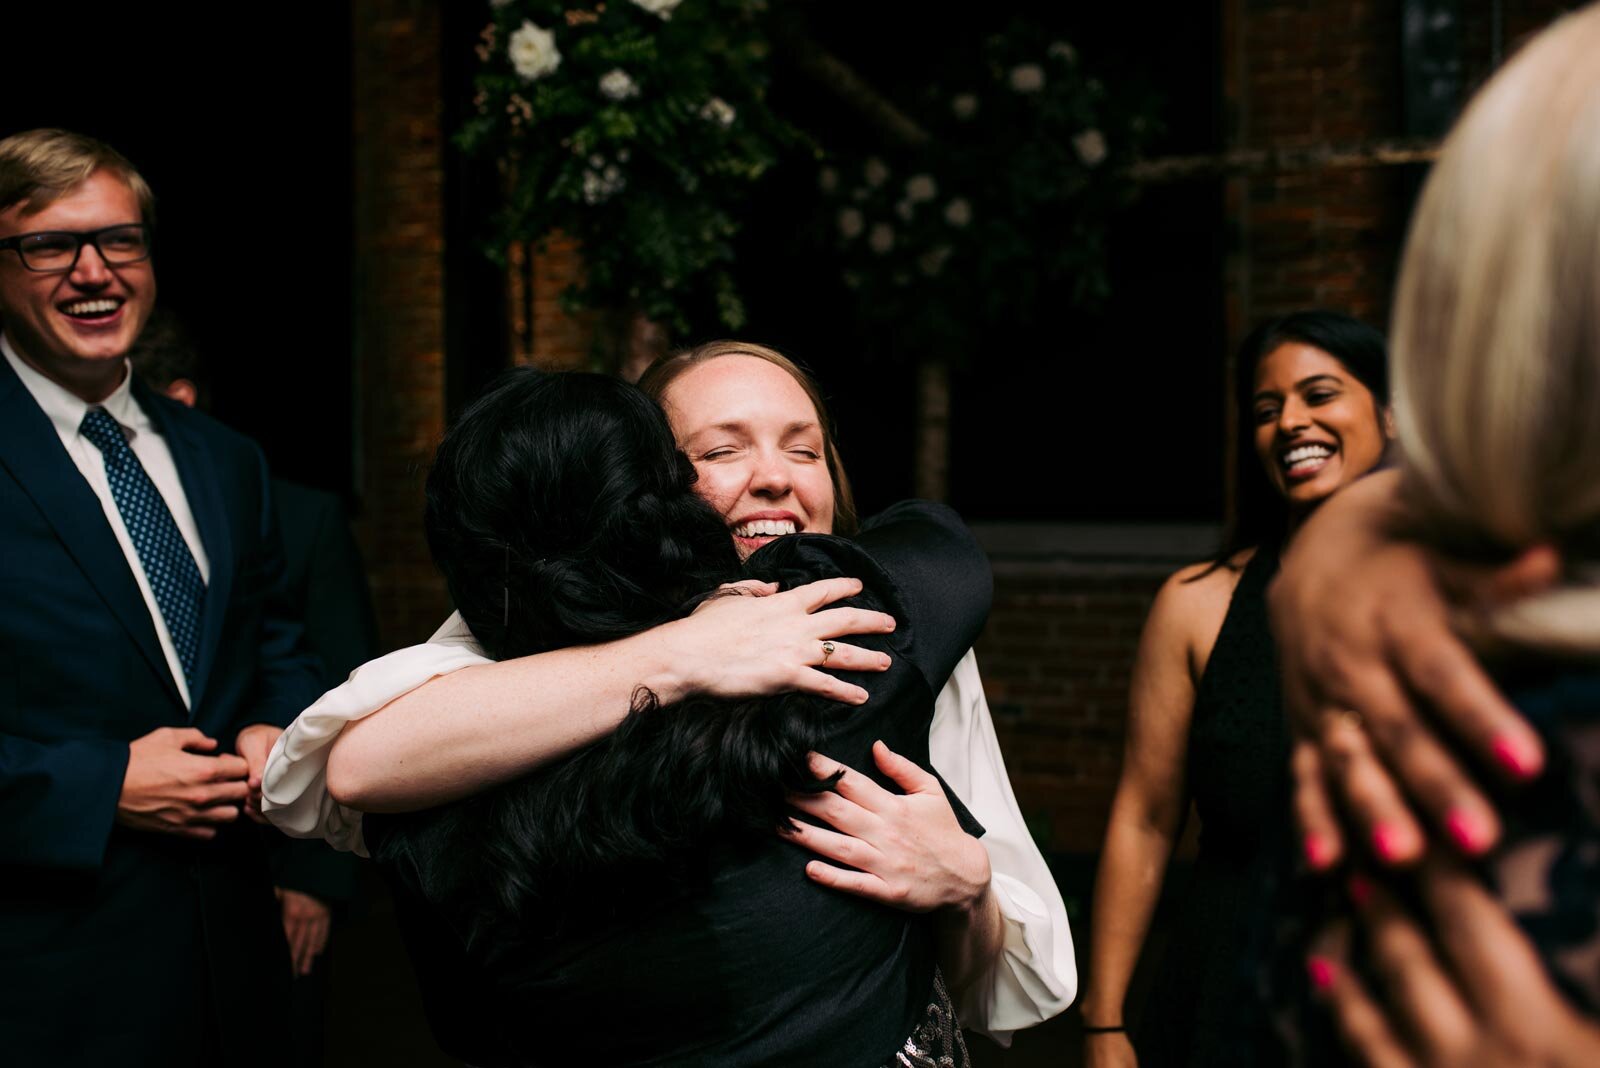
[(183, 391)]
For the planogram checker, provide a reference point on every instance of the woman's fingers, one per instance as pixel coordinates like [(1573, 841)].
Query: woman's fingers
[(846, 657), (810, 680), (1368, 794), (839, 622), (1320, 836), (815, 595), (853, 786), (838, 812), (1420, 993), (750, 588), (905, 773), (859, 883), (1361, 1023), (832, 845)]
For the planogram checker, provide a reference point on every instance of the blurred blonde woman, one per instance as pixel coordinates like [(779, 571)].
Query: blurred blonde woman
[(1497, 372)]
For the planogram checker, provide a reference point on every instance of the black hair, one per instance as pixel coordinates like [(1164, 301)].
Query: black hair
[(1260, 517), (561, 513), (164, 352)]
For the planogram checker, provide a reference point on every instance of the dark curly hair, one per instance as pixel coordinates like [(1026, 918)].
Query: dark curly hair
[(561, 513)]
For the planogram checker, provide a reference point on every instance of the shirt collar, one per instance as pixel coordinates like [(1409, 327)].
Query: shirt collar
[(65, 408)]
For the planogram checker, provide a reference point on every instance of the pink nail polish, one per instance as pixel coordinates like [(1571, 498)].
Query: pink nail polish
[(1517, 755), (1389, 842), (1360, 890), (1322, 972), (1319, 853), (1468, 831)]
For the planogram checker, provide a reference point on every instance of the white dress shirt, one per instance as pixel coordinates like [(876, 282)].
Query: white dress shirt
[(66, 411), (1036, 976)]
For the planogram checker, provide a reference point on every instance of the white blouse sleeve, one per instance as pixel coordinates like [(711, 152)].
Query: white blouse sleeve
[(1036, 976), (294, 787)]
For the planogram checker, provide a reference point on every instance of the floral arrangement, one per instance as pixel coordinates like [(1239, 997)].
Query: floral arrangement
[(637, 127), (1005, 206)]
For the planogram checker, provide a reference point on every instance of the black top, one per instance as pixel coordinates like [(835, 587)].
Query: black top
[(761, 966), (1207, 1008)]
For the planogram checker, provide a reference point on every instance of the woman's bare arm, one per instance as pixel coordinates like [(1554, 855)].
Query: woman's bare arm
[(486, 724), (1148, 808)]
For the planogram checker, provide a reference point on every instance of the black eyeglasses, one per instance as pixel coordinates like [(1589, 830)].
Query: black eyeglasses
[(57, 251)]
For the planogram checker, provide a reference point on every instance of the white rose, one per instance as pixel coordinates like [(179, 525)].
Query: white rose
[(828, 180), (851, 223), (875, 171), (1027, 77), (719, 111), (616, 85), (921, 188), (904, 209), (932, 263), (958, 212), (964, 106), (1090, 146), (881, 238), (1062, 50), (664, 8), (533, 51)]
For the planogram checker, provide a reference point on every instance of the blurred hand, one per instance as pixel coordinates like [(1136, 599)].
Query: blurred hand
[(255, 744), (1363, 627), (755, 641), (306, 923), (172, 787), (910, 849), (1460, 986)]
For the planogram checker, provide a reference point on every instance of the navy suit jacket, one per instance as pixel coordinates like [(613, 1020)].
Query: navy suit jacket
[(119, 945)]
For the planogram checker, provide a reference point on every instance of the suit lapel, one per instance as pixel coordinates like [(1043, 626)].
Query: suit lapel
[(200, 487), (31, 450)]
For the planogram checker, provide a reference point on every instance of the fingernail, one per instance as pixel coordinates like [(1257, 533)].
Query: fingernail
[(1319, 852), (1468, 831), (1360, 890), (1389, 842), (1517, 755), (1322, 972)]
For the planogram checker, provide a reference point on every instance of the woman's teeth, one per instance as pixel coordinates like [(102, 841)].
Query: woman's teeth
[(764, 528), (1305, 458)]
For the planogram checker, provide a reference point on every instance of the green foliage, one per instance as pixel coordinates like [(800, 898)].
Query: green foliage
[(1026, 167), (649, 177)]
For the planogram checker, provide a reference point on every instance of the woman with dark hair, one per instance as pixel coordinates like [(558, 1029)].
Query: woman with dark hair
[(627, 903), (1204, 722), (439, 721)]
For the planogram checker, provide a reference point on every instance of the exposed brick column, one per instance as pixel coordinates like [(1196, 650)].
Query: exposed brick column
[(399, 292)]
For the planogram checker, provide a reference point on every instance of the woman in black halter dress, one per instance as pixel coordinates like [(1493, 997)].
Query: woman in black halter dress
[(1204, 719)]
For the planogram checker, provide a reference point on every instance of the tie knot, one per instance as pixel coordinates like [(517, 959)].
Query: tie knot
[(103, 432)]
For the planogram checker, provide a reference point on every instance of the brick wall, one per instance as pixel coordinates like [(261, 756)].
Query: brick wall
[(399, 288)]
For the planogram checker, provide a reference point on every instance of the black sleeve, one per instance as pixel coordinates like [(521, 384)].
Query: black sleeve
[(941, 576)]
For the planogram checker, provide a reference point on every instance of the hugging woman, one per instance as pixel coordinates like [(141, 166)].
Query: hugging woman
[(488, 722)]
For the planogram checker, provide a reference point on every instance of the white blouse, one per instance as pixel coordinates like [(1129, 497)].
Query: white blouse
[(1035, 977)]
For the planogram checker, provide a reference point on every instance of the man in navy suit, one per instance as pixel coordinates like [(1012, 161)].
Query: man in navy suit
[(146, 662)]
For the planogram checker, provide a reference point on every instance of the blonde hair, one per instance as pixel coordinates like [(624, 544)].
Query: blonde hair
[(1496, 331), (661, 374), (37, 167)]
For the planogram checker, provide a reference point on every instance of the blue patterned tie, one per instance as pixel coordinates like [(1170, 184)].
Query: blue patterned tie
[(168, 565)]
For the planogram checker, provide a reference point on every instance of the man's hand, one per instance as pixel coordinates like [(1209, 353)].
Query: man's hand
[(255, 744), (171, 787), (306, 922), (765, 643)]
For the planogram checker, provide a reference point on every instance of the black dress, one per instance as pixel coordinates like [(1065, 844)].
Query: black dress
[(757, 966), (1207, 1006)]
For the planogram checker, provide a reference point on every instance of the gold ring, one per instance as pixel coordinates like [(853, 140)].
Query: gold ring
[(827, 651)]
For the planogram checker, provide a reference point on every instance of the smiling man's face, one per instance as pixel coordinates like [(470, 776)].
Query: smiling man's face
[(76, 326)]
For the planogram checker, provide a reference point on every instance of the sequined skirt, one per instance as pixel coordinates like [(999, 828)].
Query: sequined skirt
[(936, 1041)]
